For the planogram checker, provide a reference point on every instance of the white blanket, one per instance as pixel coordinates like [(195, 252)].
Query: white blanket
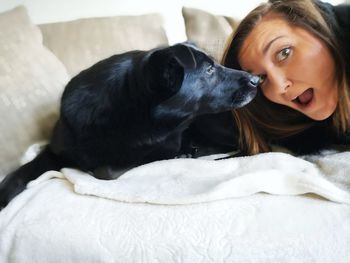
[(189, 181), (69, 216)]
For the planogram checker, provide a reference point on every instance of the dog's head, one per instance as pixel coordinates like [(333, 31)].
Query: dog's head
[(191, 82)]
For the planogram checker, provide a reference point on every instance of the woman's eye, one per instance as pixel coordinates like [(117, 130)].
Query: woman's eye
[(283, 54), (262, 79), (210, 69)]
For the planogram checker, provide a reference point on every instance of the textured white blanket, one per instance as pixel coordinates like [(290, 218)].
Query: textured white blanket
[(72, 217), (189, 181)]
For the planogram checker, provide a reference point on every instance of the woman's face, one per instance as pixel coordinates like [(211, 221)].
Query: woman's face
[(296, 68)]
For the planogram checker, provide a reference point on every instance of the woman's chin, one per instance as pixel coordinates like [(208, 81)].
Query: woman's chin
[(322, 114)]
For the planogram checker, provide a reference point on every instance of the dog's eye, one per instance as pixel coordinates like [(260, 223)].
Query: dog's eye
[(210, 69)]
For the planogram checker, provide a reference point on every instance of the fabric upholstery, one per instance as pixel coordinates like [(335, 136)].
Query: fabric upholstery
[(31, 83), (209, 32), (83, 42)]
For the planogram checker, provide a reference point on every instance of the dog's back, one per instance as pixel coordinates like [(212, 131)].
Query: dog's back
[(132, 109)]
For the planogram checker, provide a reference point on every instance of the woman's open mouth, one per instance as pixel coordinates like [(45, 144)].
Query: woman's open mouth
[(304, 100)]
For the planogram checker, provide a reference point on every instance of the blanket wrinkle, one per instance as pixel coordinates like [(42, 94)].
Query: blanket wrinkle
[(189, 181)]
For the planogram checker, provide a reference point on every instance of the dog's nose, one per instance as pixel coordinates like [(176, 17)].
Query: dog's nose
[(254, 80)]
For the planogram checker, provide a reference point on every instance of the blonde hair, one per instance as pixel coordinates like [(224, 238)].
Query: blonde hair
[(262, 121)]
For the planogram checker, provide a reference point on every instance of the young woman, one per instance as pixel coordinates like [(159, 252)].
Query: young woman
[(301, 51)]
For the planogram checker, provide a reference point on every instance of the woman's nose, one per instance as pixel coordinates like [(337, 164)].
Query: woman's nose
[(279, 83)]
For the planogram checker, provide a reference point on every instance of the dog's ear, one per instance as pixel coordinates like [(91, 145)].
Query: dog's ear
[(166, 71), (184, 55), (181, 53)]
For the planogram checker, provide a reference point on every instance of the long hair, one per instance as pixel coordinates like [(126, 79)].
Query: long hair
[(262, 121)]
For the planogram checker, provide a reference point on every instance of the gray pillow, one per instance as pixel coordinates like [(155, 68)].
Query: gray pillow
[(31, 82), (209, 32), (81, 43)]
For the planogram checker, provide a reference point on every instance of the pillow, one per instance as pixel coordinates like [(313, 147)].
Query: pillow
[(208, 31), (31, 82), (83, 42)]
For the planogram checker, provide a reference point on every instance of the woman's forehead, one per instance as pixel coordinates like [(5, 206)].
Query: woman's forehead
[(258, 40)]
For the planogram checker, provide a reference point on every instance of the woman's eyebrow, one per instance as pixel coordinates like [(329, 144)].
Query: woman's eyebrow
[(266, 48)]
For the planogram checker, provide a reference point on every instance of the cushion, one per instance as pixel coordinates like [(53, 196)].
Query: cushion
[(81, 43), (31, 83), (209, 32)]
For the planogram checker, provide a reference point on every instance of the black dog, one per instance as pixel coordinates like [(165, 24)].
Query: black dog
[(132, 109)]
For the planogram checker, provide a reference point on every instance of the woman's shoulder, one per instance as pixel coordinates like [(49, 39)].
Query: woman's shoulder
[(338, 19), (342, 14), (311, 140), (338, 16)]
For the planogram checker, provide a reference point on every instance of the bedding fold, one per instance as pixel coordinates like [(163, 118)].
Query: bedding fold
[(190, 181)]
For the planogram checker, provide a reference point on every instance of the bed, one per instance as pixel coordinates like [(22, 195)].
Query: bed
[(270, 207)]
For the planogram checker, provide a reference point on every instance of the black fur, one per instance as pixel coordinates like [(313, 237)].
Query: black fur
[(134, 108)]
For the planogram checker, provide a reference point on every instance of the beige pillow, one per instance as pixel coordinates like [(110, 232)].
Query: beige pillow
[(31, 82), (208, 31), (81, 43)]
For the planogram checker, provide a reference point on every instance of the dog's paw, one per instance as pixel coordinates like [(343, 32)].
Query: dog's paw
[(188, 155)]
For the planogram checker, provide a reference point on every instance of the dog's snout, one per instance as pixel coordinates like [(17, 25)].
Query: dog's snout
[(254, 80)]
